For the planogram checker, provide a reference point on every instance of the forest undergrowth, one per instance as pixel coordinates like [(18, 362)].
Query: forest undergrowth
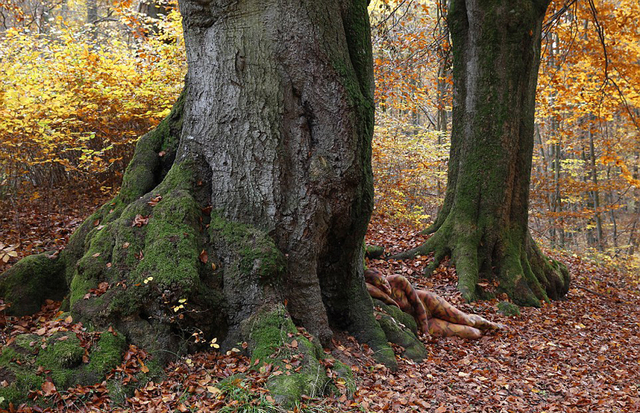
[(574, 355)]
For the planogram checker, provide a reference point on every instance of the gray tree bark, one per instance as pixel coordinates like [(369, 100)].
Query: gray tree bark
[(279, 114), (254, 193)]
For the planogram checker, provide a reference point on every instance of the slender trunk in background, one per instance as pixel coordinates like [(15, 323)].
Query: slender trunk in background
[(595, 193), (92, 18)]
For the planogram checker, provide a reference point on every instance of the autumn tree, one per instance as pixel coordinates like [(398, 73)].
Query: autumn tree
[(584, 191), (242, 215), (483, 224)]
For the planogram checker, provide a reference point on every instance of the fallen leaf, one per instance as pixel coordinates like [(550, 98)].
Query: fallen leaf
[(48, 388)]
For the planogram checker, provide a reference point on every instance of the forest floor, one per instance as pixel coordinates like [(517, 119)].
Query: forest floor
[(575, 355)]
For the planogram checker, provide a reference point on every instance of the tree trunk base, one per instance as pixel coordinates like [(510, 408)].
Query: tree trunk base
[(513, 265), (171, 275)]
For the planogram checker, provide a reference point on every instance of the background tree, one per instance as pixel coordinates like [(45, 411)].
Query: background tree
[(588, 128), (483, 223)]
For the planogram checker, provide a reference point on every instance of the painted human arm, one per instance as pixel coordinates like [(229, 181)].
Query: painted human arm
[(377, 293), (405, 295)]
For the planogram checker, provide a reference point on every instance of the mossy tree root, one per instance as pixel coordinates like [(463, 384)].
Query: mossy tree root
[(274, 340), (507, 263), (158, 264), (401, 328)]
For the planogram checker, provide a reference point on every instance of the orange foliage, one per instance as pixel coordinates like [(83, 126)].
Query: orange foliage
[(585, 188), (585, 180), (409, 150)]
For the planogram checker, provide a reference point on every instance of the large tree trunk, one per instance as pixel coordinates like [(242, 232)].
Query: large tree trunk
[(483, 222), (250, 202), (279, 117)]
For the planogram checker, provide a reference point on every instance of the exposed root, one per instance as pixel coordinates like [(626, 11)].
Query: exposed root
[(512, 264)]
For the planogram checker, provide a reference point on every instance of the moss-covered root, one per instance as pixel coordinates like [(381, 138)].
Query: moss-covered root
[(60, 356), (273, 338), (401, 329), (31, 281), (157, 285), (374, 251), (367, 330)]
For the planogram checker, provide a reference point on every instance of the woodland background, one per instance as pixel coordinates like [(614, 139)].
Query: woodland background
[(81, 80)]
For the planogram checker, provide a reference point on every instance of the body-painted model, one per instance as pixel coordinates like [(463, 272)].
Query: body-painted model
[(433, 313)]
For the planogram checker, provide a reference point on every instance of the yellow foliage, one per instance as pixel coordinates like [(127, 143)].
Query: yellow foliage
[(409, 166), (72, 108)]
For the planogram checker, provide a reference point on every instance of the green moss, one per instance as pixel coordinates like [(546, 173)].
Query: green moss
[(61, 356), (403, 318), (171, 243), (147, 167), (344, 372), (258, 253), (400, 334), (92, 268), (271, 333), (311, 380), (10, 355), (62, 359), (374, 251), (268, 330), (508, 309), (166, 248), (364, 325), (79, 287), (181, 176), (286, 390), (31, 281), (63, 351), (119, 392), (23, 383), (27, 343), (107, 353), (240, 397), (358, 35)]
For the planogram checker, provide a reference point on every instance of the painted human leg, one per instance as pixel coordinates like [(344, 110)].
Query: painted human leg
[(442, 328), (442, 309), (405, 295), (433, 314)]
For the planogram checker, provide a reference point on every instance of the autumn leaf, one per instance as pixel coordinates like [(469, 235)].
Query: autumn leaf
[(139, 220), (154, 201), (48, 388), (143, 368)]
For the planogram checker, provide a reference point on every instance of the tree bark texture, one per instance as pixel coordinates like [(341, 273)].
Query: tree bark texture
[(483, 222), (280, 116)]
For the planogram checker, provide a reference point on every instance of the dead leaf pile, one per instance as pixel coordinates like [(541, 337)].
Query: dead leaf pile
[(575, 355)]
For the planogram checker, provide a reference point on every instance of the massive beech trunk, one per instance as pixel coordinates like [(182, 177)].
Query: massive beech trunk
[(279, 118), (483, 222), (246, 208)]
